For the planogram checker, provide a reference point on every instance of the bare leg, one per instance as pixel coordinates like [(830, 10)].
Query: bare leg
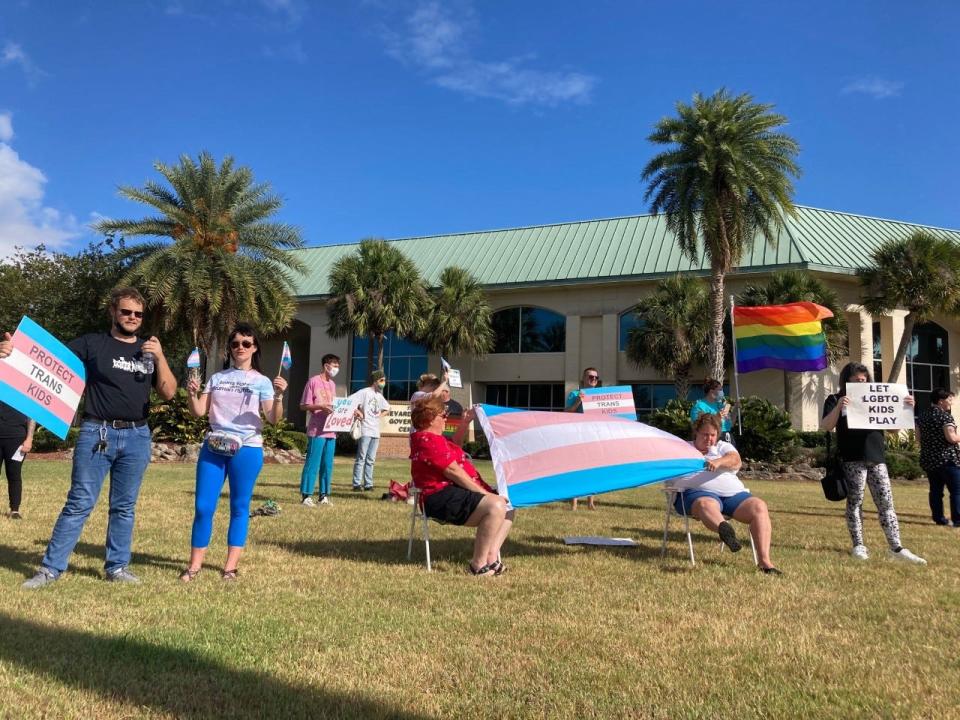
[(753, 512), (196, 558), (573, 504), (707, 511), (501, 537), (590, 504), (233, 558), (487, 519)]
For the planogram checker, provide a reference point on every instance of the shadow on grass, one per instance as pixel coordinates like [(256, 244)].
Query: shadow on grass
[(27, 563), (636, 552), (137, 558), (394, 552), (179, 682)]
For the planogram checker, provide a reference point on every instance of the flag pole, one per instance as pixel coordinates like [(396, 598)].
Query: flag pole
[(736, 375)]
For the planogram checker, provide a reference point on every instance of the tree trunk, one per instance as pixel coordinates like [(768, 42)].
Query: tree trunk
[(715, 365), (213, 357), (787, 404), (380, 352), (371, 339), (905, 340), (681, 382)]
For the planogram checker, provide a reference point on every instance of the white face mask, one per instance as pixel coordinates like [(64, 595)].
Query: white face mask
[(331, 371)]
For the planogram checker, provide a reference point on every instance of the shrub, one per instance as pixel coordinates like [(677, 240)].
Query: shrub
[(812, 439), (346, 445), (904, 441), (904, 464), (478, 449), (766, 434), (674, 418), (46, 441), (172, 420), (296, 440)]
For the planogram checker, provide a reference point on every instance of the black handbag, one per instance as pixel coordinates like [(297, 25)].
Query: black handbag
[(834, 481)]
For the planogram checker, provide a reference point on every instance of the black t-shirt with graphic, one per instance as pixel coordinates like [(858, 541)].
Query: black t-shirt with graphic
[(856, 445), (117, 387), (935, 451), (13, 423)]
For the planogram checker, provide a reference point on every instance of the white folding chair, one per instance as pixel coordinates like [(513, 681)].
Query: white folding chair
[(418, 513), (671, 494)]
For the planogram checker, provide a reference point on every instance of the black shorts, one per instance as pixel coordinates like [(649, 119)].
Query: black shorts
[(453, 505)]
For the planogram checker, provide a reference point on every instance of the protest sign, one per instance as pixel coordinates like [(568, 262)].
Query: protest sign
[(41, 378), (341, 418), (616, 401), (878, 406), (453, 378)]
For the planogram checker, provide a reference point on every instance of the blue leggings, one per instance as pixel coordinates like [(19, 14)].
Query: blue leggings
[(212, 469), (319, 461)]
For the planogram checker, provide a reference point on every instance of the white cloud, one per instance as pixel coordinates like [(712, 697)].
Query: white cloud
[(24, 220), (6, 127), (876, 87), (435, 40), (14, 55)]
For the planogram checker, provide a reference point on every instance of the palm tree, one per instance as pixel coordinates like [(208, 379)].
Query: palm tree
[(220, 260), (674, 330), (798, 286), (723, 180), (458, 322), (374, 291), (920, 273)]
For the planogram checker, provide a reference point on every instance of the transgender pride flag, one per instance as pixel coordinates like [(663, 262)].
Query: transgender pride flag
[(542, 457)]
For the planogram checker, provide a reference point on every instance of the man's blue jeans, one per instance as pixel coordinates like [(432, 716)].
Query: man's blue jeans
[(126, 458), (366, 457)]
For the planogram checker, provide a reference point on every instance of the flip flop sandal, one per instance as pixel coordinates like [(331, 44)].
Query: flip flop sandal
[(229, 575), (498, 567), (188, 575), (484, 571)]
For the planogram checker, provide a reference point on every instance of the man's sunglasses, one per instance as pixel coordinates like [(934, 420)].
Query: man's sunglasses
[(126, 312), (245, 344)]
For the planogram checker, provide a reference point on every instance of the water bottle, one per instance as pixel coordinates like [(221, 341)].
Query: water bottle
[(146, 360)]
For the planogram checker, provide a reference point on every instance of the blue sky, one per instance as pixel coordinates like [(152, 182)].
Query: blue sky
[(393, 119)]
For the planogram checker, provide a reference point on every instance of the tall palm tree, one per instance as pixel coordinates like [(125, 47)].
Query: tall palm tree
[(458, 322), (920, 273), (374, 291), (798, 286), (221, 259), (723, 180), (674, 330)]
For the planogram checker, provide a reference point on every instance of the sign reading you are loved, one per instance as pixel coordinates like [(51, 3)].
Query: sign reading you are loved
[(878, 406), (41, 378)]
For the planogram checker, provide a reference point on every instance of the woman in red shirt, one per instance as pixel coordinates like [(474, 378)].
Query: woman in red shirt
[(452, 489)]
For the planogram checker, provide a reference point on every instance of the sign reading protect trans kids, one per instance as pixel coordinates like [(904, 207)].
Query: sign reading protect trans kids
[(41, 378), (616, 401)]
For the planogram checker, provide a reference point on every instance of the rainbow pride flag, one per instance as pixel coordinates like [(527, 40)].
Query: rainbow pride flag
[(780, 337), (541, 457)]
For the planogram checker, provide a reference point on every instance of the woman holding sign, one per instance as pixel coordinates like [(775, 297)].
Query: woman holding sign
[(863, 453), (590, 378), (233, 449)]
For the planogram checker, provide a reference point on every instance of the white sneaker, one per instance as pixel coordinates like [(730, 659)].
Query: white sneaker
[(906, 556), (325, 501), (308, 502), (860, 552)]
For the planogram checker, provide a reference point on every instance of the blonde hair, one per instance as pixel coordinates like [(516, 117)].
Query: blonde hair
[(425, 411)]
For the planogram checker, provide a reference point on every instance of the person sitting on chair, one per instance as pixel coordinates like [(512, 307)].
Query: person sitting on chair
[(452, 489), (716, 492)]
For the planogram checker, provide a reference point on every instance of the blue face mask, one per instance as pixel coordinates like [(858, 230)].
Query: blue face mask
[(720, 396)]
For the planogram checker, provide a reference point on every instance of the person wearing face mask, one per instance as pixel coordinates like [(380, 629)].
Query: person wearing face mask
[(370, 406), (714, 403), (318, 399)]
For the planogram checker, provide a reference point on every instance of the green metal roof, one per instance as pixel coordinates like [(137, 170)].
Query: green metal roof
[(635, 247)]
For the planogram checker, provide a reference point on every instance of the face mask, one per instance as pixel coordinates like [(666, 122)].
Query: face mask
[(720, 396), (381, 386), (331, 371)]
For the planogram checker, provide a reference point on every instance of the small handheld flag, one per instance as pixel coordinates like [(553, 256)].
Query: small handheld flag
[(193, 361), (286, 359), (444, 364)]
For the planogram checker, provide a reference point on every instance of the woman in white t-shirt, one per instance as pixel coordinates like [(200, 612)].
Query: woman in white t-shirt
[(370, 406), (716, 492), (233, 450)]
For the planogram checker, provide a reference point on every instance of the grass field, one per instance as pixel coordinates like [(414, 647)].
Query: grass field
[(329, 619)]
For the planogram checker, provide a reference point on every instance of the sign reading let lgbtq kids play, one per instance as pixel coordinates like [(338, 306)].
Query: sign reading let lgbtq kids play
[(41, 378), (878, 406)]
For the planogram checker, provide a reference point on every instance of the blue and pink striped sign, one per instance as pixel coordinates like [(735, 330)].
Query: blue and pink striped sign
[(616, 400), (41, 378), (542, 457)]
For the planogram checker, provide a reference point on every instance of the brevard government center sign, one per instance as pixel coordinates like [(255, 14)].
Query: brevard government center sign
[(878, 406)]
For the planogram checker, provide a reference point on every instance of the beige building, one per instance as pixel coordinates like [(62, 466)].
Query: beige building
[(563, 296)]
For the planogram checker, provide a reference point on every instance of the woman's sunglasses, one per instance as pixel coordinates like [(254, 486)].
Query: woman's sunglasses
[(593, 377), (245, 344), (126, 312)]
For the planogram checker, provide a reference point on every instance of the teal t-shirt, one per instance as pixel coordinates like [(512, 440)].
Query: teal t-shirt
[(705, 406), (572, 397)]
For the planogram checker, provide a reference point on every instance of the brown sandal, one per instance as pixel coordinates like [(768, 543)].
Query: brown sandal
[(229, 574), (188, 575)]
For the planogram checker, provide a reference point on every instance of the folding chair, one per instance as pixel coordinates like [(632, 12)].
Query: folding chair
[(417, 513), (671, 494)]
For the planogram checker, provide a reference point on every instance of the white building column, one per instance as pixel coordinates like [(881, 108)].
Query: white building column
[(611, 346), (891, 330)]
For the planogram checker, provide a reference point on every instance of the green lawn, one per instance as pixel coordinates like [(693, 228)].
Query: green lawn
[(329, 619)]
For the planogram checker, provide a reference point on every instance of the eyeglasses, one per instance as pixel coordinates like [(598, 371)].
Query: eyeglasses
[(593, 377), (127, 312), (245, 344)]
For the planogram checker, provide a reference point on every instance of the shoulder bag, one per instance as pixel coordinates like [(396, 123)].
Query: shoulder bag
[(834, 481)]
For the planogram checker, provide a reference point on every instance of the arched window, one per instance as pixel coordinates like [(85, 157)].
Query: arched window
[(628, 321), (928, 362), (528, 330)]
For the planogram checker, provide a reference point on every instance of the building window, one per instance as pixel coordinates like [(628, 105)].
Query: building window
[(526, 396), (928, 362), (628, 321), (648, 397), (528, 330), (403, 362), (877, 353)]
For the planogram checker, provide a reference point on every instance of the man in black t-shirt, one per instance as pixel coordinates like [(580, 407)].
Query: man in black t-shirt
[(113, 438)]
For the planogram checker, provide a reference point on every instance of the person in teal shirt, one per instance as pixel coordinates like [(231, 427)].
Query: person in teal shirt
[(714, 403), (590, 378)]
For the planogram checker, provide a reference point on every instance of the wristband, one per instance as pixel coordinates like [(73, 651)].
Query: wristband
[(278, 397)]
